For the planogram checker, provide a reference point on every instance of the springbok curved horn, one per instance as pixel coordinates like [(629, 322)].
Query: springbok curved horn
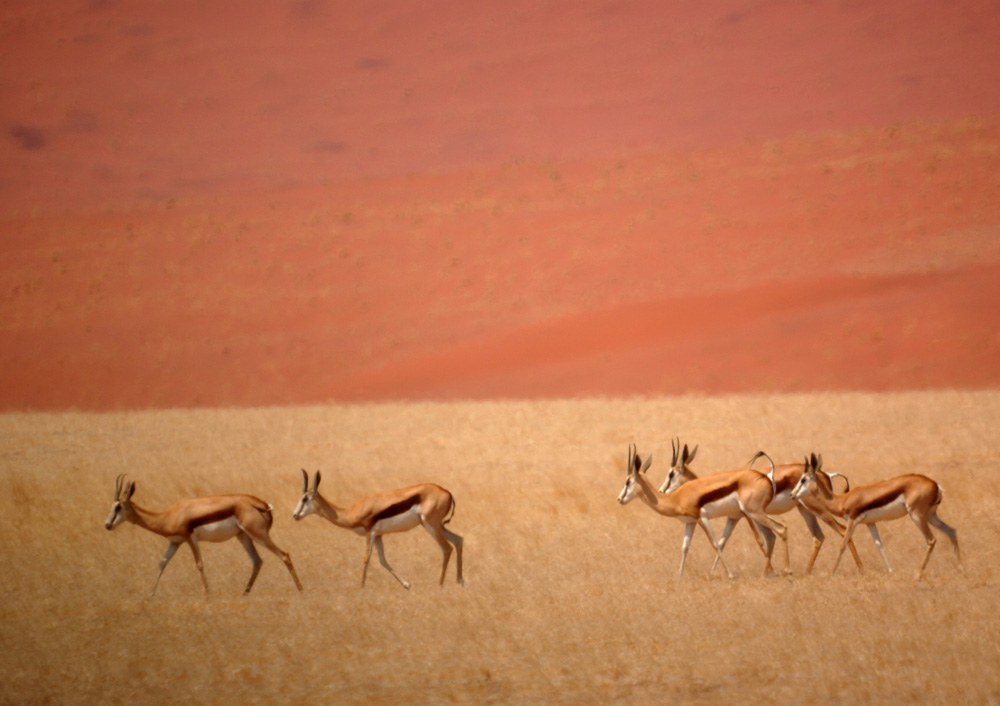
[(118, 485), (675, 446)]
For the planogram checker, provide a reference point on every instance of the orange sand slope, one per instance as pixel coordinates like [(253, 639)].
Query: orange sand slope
[(214, 206)]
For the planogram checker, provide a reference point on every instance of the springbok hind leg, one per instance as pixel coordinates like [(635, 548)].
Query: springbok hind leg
[(254, 557), (446, 539), (950, 533), (266, 540)]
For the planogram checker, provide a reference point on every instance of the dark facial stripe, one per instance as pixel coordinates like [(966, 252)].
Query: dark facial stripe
[(396, 509)]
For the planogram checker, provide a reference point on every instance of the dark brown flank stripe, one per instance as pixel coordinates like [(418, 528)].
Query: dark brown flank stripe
[(209, 519), (783, 484), (880, 502), (396, 509), (718, 493)]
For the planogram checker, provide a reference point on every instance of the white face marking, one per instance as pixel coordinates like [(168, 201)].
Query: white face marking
[(628, 491), (802, 487), (672, 482), (115, 517), (305, 507)]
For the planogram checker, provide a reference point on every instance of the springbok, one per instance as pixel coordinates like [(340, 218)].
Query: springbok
[(394, 511), (695, 503), (915, 495), (786, 477), (212, 519)]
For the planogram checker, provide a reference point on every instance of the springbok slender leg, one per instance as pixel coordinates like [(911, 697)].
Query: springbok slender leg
[(254, 557), (163, 564), (949, 532), (711, 535), (457, 541), (878, 543), (383, 562), (843, 544), (193, 543)]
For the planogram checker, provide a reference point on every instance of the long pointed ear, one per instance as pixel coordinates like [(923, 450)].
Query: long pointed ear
[(636, 461), (693, 452), (129, 489), (814, 461), (819, 463), (305, 482), (646, 465), (810, 468), (316, 484), (684, 456)]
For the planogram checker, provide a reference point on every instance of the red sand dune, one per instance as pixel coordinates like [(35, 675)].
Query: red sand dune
[(232, 205)]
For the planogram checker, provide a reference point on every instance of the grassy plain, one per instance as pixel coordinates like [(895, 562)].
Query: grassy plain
[(570, 598)]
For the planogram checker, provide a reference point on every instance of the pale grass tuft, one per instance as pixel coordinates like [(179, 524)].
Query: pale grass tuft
[(570, 598)]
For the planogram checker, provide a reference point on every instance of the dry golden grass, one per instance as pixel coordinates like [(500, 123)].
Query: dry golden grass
[(569, 597)]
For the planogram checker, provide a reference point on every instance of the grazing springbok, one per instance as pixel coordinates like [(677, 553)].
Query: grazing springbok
[(786, 477), (394, 511), (212, 519), (696, 502), (912, 494)]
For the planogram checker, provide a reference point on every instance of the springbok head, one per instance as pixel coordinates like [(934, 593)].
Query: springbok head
[(635, 467), (679, 472), (120, 505), (307, 504)]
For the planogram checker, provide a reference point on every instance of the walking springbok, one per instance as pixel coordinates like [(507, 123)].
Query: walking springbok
[(698, 501), (914, 495), (394, 511), (213, 519), (786, 477)]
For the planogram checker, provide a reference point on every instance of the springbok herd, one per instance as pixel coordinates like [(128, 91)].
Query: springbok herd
[(693, 500)]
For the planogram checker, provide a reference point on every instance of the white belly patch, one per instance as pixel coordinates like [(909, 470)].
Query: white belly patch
[(723, 507), (218, 531), (889, 511), (401, 522)]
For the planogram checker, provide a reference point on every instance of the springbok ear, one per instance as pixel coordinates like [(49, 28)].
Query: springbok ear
[(316, 484), (819, 463), (305, 482), (646, 465), (129, 489), (636, 462), (693, 452), (813, 461)]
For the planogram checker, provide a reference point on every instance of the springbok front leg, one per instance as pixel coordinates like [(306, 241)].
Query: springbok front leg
[(711, 536), (163, 564), (383, 562), (878, 543), (196, 550)]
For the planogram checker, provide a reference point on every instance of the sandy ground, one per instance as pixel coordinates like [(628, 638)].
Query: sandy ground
[(569, 597), (241, 205)]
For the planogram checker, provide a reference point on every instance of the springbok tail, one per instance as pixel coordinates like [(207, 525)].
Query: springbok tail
[(452, 515)]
